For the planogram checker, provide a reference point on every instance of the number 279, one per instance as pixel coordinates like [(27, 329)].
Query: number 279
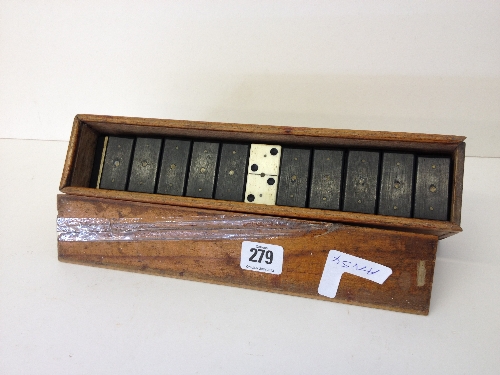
[(268, 254)]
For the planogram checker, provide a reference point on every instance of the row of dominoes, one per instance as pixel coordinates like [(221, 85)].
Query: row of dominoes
[(387, 183)]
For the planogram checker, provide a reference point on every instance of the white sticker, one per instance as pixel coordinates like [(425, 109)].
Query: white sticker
[(337, 263), (261, 257)]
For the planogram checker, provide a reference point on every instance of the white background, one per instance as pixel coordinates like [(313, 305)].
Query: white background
[(430, 67)]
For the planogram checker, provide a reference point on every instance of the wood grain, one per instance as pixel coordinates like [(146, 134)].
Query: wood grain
[(442, 229), (410, 256), (69, 164), (84, 156), (457, 185), (127, 124)]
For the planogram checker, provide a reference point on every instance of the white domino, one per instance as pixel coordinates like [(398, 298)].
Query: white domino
[(261, 189), (264, 159), (262, 175)]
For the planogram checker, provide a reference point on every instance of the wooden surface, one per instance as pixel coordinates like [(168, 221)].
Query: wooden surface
[(457, 185), (81, 151), (442, 229), (309, 136), (410, 256)]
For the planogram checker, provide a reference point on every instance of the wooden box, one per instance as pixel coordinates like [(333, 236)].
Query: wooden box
[(406, 245), (86, 128)]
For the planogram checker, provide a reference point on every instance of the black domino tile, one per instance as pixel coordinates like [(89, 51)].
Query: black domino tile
[(116, 163), (96, 166), (361, 181), (396, 184), (293, 178), (326, 179), (202, 170), (232, 171), (432, 188), (174, 167), (144, 165)]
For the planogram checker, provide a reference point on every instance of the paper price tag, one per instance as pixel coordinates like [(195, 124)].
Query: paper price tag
[(261, 257), (337, 263)]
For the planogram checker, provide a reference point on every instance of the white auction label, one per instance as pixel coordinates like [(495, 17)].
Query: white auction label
[(338, 262), (261, 257)]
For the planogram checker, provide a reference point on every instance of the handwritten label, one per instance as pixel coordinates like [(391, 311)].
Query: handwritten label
[(261, 257), (337, 263)]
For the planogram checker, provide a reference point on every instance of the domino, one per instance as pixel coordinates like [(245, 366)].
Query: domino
[(326, 179), (116, 163), (232, 172), (261, 189), (262, 175), (174, 167), (145, 165), (361, 181), (264, 159), (396, 184), (431, 188), (201, 178), (294, 177)]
